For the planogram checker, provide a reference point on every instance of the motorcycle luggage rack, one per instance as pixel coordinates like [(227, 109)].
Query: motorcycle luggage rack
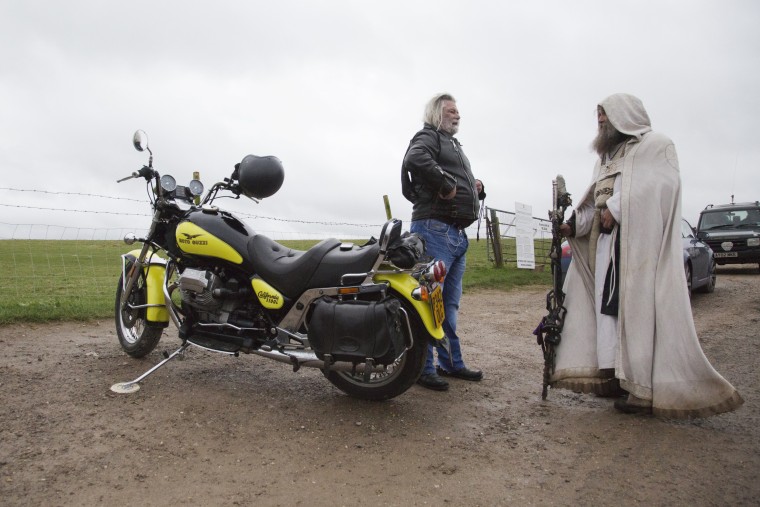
[(295, 317)]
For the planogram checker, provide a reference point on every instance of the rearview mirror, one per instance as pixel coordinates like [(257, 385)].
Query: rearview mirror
[(140, 140)]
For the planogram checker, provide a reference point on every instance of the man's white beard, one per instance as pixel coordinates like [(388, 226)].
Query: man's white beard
[(448, 126)]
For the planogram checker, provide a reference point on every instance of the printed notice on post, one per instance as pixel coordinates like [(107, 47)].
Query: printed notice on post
[(524, 224)]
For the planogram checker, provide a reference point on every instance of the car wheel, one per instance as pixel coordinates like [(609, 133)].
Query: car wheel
[(687, 268), (710, 286)]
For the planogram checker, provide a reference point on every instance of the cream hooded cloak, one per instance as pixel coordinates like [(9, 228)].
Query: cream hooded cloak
[(658, 357)]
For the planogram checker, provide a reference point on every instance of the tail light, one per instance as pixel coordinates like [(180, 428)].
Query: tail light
[(439, 271), (436, 272)]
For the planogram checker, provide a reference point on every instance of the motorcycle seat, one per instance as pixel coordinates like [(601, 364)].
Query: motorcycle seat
[(293, 271), (338, 262)]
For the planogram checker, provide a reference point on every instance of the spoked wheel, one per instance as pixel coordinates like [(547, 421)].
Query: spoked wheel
[(397, 377), (136, 336)]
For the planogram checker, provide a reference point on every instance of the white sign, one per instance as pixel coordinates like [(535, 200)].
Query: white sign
[(526, 258)]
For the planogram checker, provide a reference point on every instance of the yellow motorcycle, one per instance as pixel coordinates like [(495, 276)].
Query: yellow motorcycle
[(363, 314)]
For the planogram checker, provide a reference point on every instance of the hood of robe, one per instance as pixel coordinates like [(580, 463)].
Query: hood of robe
[(627, 114)]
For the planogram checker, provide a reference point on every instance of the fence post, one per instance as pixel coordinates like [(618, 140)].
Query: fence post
[(496, 235)]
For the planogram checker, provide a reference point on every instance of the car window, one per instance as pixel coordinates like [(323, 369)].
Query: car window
[(753, 217), (715, 219), (729, 219)]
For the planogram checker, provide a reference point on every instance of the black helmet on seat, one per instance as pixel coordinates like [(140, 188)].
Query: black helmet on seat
[(260, 177)]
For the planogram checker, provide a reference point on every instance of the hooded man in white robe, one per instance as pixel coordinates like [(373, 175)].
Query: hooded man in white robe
[(629, 323)]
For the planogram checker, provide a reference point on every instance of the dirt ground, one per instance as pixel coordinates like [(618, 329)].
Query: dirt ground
[(219, 430)]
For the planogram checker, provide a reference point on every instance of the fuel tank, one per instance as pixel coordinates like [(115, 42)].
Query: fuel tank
[(217, 234)]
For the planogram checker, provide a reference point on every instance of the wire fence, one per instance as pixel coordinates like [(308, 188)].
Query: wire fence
[(495, 221), (46, 263), (502, 228)]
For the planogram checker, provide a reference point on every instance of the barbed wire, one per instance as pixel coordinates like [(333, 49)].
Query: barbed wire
[(75, 210), (71, 193), (292, 220), (81, 194), (10, 224)]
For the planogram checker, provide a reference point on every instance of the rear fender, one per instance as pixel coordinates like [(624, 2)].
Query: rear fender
[(155, 272), (404, 285)]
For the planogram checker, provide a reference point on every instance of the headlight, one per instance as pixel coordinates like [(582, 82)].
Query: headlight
[(753, 242)]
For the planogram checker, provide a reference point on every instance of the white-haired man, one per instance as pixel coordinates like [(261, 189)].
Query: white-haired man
[(437, 179)]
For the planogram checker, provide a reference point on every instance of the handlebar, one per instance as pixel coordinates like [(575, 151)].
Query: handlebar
[(146, 172), (228, 184), (231, 184)]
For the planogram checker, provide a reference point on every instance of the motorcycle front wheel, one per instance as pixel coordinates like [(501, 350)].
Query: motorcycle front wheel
[(399, 376), (136, 336)]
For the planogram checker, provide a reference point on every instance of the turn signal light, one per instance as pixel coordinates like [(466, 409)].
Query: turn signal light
[(421, 294)]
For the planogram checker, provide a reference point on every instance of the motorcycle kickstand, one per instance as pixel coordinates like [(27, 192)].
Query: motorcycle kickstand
[(133, 386)]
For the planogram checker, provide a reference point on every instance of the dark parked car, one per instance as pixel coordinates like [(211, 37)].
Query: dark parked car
[(698, 261), (732, 231)]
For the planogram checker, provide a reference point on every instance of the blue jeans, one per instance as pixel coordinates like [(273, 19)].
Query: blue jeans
[(449, 244)]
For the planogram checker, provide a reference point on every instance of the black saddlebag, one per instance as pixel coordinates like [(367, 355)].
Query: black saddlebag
[(356, 330)]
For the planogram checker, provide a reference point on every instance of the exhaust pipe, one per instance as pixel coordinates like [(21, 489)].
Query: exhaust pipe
[(300, 358)]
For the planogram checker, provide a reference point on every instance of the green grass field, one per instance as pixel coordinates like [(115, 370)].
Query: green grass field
[(46, 280)]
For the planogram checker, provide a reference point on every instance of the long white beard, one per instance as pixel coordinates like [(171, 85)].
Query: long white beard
[(607, 138)]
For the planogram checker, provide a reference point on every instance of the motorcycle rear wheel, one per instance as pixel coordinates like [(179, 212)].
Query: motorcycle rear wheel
[(136, 335), (399, 376)]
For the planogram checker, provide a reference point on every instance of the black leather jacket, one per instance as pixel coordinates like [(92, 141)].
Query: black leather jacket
[(433, 165)]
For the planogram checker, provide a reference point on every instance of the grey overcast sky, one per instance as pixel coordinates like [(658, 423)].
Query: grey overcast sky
[(336, 89)]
